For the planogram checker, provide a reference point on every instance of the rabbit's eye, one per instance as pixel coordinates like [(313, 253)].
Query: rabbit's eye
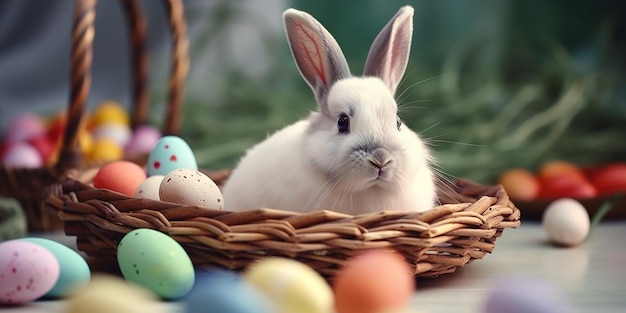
[(343, 124), (398, 121)]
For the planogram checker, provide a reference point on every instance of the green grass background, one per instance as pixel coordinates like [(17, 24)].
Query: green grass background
[(490, 85)]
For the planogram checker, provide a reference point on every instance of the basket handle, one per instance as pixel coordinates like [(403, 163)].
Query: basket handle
[(83, 32)]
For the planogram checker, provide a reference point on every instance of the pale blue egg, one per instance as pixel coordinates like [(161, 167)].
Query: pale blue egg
[(157, 262), (168, 154), (221, 291), (74, 271)]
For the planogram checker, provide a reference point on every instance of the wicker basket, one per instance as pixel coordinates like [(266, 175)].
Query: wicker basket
[(25, 184), (464, 228)]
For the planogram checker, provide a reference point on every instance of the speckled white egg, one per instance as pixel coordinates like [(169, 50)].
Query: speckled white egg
[(566, 222), (149, 188), (191, 187)]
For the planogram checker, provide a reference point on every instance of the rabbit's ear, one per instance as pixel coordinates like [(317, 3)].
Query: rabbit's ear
[(389, 53), (318, 56)]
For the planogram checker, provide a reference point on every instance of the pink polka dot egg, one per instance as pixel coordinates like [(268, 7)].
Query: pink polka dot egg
[(27, 271)]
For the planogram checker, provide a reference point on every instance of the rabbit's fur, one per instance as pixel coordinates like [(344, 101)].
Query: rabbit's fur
[(354, 155)]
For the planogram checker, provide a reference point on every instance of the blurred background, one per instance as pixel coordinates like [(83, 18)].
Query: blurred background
[(491, 84)]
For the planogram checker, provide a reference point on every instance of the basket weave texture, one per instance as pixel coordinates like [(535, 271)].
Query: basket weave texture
[(462, 229), (27, 185)]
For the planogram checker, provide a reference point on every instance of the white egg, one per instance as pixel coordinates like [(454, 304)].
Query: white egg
[(117, 132), (149, 188), (566, 221), (191, 187), (22, 155)]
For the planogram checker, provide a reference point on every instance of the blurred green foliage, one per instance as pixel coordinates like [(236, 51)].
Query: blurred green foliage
[(491, 84)]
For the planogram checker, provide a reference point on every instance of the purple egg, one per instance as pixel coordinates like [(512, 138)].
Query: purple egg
[(526, 294), (142, 140)]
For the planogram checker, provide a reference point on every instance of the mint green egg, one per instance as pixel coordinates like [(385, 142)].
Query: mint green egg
[(74, 271), (156, 262)]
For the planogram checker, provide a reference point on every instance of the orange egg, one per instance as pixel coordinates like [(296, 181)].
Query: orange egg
[(559, 168), (520, 184), (120, 176), (374, 281)]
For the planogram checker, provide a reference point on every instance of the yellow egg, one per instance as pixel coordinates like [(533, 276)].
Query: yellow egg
[(106, 150), (292, 286), (109, 112), (112, 294), (85, 142)]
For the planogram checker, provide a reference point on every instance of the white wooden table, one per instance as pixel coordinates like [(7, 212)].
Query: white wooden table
[(592, 275)]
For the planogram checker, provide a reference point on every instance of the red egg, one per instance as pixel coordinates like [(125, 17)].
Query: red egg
[(44, 146), (121, 176), (374, 281), (610, 179)]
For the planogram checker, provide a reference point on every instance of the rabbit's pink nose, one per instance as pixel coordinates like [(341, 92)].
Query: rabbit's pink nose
[(381, 166)]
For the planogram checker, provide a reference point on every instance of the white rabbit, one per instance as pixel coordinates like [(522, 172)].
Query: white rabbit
[(353, 156)]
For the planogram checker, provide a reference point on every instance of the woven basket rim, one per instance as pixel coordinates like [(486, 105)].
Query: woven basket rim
[(434, 242)]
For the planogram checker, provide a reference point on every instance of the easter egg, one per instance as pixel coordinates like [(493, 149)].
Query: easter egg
[(44, 147), (156, 262), (168, 154), (525, 294), (25, 127), (143, 139), (106, 150), (121, 176), (149, 188), (27, 271), (520, 184), (109, 112), (292, 286), (118, 133), (374, 281), (186, 186), (22, 155), (566, 222), (225, 292), (74, 272), (106, 294)]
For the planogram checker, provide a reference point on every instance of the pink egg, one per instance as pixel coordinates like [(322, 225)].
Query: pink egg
[(25, 127), (22, 155), (142, 140), (27, 271)]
